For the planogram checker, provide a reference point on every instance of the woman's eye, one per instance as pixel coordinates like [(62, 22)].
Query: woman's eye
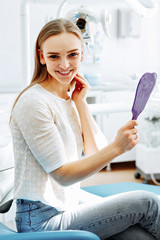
[(73, 54), (53, 56)]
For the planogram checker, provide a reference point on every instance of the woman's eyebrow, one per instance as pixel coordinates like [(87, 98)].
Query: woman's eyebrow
[(52, 53), (73, 50)]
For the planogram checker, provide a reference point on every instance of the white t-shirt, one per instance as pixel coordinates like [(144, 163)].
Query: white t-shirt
[(46, 134)]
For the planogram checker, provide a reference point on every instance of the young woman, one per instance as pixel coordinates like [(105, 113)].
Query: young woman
[(50, 128)]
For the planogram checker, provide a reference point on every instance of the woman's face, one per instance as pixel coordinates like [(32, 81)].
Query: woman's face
[(62, 55)]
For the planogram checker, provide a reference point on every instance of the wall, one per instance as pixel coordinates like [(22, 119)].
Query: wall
[(121, 57), (9, 45)]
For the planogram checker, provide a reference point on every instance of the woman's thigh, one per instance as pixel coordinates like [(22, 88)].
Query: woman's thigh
[(108, 216)]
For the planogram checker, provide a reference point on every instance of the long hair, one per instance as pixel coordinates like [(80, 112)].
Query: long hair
[(54, 27)]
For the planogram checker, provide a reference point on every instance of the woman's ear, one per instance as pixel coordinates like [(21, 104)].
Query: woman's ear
[(41, 57)]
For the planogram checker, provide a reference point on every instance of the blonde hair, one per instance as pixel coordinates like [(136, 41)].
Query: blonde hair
[(54, 27)]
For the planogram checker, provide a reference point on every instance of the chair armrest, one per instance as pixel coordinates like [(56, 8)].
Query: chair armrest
[(58, 235), (8, 234)]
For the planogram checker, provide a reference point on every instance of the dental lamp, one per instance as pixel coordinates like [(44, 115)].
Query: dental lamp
[(86, 20)]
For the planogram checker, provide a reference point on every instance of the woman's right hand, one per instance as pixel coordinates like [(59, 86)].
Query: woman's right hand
[(127, 136)]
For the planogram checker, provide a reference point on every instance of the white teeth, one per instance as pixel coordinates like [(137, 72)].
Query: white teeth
[(64, 72)]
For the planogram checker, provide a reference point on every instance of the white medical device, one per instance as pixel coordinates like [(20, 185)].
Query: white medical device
[(88, 21), (148, 150)]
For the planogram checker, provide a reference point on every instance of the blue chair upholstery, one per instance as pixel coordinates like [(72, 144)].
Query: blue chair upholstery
[(100, 190), (8, 234), (105, 190)]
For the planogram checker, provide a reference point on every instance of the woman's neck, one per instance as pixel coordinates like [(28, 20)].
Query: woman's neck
[(56, 88)]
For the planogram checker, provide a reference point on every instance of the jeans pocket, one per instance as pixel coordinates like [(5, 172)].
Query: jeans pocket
[(42, 215), (18, 223)]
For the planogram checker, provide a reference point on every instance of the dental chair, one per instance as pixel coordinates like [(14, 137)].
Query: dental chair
[(100, 190)]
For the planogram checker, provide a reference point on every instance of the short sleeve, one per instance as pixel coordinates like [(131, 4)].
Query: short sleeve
[(35, 120)]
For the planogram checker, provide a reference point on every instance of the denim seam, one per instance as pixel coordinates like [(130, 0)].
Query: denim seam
[(101, 221), (116, 217), (30, 212)]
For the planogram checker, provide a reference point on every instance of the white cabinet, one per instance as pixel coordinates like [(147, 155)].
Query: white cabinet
[(112, 110)]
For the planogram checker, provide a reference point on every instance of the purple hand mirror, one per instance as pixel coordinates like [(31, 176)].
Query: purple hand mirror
[(143, 92)]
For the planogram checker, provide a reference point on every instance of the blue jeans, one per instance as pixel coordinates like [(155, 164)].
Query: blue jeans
[(129, 216)]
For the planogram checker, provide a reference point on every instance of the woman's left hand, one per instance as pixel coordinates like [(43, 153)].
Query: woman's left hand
[(81, 88)]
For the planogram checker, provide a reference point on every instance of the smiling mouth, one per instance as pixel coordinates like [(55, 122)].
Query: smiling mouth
[(64, 73)]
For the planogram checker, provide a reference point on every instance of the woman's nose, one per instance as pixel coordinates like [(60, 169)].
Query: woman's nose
[(64, 63)]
